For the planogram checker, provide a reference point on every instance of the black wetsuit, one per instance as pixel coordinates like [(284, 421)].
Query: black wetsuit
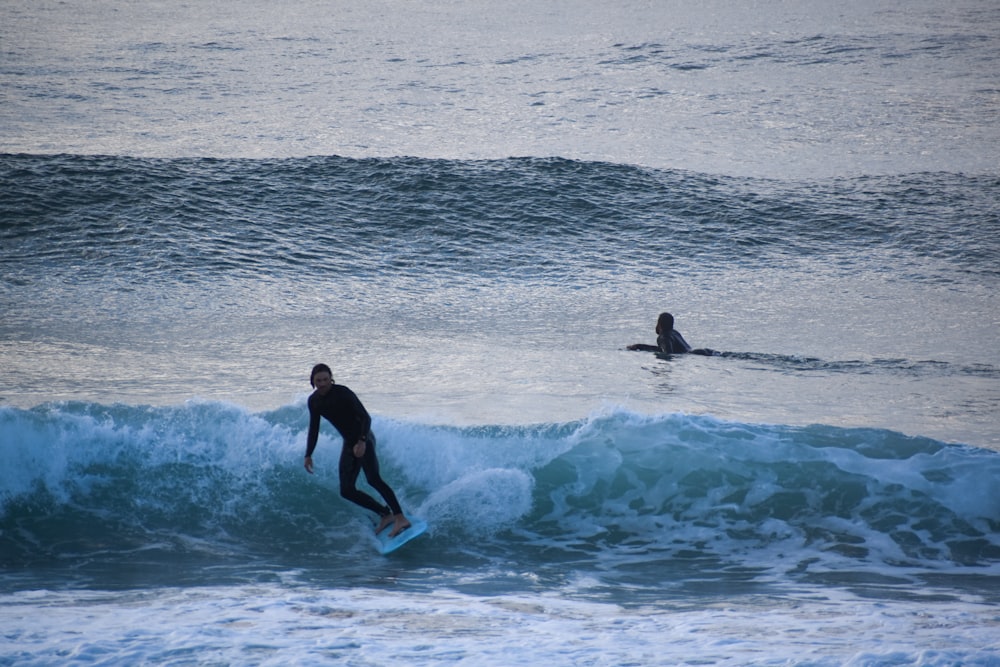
[(342, 408), (672, 343)]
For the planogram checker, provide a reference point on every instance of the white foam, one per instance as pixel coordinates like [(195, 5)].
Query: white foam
[(287, 624), (481, 502)]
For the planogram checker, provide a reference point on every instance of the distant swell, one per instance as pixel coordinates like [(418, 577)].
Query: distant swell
[(202, 220)]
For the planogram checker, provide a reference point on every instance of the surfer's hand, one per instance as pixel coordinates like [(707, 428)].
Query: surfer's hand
[(359, 448), (309, 465)]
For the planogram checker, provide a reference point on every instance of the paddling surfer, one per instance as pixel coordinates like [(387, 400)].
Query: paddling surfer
[(342, 408), (669, 340)]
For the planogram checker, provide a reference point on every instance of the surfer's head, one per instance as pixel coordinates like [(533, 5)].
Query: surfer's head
[(317, 369), (664, 323)]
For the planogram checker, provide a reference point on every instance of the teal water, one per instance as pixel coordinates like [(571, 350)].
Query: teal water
[(211, 493)]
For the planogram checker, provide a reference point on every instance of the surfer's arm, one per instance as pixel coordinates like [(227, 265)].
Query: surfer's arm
[(640, 347), (313, 437)]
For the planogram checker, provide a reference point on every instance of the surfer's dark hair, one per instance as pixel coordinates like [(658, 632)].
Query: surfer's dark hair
[(319, 368), (664, 323)]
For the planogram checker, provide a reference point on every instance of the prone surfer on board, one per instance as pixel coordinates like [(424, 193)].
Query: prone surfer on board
[(669, 340), (342, 408)]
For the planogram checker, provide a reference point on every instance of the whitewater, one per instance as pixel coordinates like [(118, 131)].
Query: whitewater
[(469, 210)]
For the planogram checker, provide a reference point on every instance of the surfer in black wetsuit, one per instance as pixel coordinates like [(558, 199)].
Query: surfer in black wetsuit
[(669, 340), (342, 408)]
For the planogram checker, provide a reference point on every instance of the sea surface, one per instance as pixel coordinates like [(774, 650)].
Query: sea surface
[(469, 210)]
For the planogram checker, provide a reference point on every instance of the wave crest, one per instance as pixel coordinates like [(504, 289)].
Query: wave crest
[(210, 473)]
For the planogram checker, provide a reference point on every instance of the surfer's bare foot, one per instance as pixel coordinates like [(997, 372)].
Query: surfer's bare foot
[(384, 523), (401, 523)]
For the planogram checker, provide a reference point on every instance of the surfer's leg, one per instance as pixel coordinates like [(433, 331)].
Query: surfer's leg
[(384, 523), (374, 478), (350, 468), (369, 463)]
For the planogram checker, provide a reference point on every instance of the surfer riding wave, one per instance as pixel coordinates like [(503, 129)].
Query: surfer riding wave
[(342, 408)]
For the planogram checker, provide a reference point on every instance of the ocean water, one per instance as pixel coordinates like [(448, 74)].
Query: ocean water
[(469, 210)]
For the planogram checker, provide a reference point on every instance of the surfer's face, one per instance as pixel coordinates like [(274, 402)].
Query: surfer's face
[(322, 381)]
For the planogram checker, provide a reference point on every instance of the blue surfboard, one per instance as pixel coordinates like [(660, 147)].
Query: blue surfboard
[(386, 544)]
